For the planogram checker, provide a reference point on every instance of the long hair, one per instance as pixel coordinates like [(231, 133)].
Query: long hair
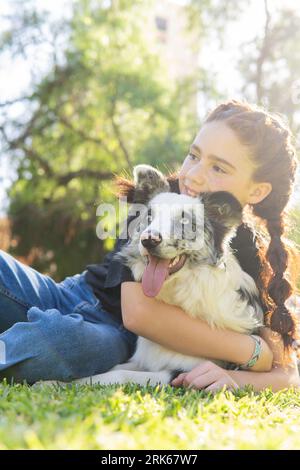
[(269, 142)]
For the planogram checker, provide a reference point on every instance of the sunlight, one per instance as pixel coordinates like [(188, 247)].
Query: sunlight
[(293, 4)]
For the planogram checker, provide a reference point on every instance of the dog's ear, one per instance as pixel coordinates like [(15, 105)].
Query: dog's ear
[(148, 182), (222, 207)]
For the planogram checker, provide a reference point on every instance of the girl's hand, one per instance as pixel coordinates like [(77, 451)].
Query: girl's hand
[(206, 376)]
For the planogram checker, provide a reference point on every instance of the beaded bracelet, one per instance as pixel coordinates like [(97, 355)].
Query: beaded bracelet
[(256, 353)]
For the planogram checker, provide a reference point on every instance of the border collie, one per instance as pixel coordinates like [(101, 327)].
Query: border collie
[(179, 250)]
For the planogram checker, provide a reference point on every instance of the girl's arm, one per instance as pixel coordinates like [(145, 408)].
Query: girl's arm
[(171, 327), (210, 377), (279, 377)]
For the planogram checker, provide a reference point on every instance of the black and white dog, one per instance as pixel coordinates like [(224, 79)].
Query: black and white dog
[(179, 250)]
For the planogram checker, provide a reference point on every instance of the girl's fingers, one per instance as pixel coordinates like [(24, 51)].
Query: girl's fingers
[(217, 386), (204, 380), (179, 379), (199, 370), (220, 385), (205, 375)]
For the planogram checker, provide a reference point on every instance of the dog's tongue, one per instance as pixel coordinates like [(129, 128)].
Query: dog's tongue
[(154, 275)]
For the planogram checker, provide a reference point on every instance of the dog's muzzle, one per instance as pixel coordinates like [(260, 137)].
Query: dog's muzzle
[(151, 239)]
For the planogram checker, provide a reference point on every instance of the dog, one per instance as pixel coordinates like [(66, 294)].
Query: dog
[(179, 250)]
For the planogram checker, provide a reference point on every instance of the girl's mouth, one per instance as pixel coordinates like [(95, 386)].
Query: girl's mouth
[(189, 192)]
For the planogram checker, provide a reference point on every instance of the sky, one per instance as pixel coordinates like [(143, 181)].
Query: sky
[(15, 76)]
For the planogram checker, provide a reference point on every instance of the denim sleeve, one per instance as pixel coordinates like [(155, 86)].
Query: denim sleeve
[(117, 271), (126, 275)]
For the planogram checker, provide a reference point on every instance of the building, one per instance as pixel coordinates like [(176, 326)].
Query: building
[(172, 40)]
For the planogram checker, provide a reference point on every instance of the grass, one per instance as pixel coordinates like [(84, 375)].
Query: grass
[(133, 417)]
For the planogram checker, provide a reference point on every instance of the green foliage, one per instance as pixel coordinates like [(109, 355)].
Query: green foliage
[(105, 104), (294, 218), (134, 417)]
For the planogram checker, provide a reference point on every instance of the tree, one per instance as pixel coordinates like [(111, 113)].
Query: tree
[(270, 64), (104, 104)]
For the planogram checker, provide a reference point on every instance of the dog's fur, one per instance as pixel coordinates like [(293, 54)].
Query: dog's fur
[(211, 284)]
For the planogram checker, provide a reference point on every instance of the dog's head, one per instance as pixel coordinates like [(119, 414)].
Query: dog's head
[(174, 231)]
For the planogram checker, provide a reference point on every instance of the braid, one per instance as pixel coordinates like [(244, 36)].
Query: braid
[(278, 256), (279, 289)]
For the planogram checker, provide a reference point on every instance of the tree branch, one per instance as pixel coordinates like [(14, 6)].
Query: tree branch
[(121, 143), (16, 100), (101, 175), (263, 54), (119, 137), (86, 137), (33, 155)]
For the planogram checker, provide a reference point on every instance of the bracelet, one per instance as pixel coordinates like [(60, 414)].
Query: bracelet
[(255, 355)]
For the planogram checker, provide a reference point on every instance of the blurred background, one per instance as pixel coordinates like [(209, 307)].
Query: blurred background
[(89, 88)]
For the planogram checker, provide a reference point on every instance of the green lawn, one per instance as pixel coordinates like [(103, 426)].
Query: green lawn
[(133, 417)]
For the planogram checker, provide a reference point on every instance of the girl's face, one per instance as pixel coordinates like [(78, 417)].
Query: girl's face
[(217, 161)]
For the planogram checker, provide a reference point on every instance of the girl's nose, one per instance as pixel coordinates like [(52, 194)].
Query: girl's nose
[(195, 177)]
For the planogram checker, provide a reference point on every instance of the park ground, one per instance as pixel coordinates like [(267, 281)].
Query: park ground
[(133, 417)]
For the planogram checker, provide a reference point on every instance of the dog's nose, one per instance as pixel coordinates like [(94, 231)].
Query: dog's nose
[(151, 239)]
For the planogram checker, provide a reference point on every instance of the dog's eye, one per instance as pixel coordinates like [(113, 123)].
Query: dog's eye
[(184, 220)]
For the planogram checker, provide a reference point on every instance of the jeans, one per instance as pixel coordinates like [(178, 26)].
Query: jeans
[(55, 331)]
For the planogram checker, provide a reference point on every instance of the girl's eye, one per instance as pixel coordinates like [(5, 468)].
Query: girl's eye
[(192, 156), (221, 171)]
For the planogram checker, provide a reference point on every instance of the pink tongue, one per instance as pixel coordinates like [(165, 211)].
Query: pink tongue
[(154, 275)]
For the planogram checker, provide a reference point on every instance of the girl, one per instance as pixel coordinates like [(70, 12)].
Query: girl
[(62, 331), (247, 151)]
